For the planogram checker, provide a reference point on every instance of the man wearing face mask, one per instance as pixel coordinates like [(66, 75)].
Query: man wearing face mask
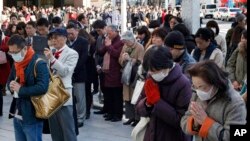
[(176, 43), (214, 105), (166, 96), (24, 84)]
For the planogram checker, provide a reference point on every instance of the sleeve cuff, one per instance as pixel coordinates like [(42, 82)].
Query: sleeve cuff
[(206, 125), (190, 122), (147, 107)]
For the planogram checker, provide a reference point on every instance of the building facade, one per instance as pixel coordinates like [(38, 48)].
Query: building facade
[(46, 3)]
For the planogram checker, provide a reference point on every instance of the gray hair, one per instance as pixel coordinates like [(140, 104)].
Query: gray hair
[(128, 35), (113, 28)]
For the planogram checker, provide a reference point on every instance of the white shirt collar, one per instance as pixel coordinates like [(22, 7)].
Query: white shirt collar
[(62, 48)]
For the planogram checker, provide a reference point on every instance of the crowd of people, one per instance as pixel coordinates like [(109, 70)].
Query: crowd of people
[(195, 85)]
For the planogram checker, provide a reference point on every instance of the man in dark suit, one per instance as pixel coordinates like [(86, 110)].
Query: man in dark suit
[(100, 27), (80, 45), (82, 21)]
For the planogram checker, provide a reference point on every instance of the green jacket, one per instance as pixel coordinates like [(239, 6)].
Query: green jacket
[(237, 67)]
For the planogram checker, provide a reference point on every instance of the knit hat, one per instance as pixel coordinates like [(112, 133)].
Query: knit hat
[(175, 39), (128, 35)]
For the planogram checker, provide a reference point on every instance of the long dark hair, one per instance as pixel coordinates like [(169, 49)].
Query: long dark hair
[(144, 30)]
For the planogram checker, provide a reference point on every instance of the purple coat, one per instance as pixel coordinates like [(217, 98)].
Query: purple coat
[(113, 77), (166, 114)]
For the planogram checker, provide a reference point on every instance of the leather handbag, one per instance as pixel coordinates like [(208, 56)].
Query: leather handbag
[(46, 105), (3, 57), (139, 131)]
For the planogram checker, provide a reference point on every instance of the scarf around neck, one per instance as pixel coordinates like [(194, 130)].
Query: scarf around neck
[(209, 51), (20, 66)]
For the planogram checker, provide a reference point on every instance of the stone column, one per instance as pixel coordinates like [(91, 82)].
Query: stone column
[(166, 4), (172, 2), (88, 3), (1, 9), (190, 14), (123, 15), (113, 3)]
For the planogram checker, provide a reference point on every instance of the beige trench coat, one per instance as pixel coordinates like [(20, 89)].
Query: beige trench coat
[(136, 54)]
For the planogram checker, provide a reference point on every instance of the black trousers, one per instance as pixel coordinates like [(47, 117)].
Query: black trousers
[(114, 101), (130, 112), (89, 97), (1, 100), (75, 112), (104, 92), (96, 83)]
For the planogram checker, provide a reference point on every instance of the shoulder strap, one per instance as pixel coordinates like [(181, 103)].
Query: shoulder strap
[(37, 60)]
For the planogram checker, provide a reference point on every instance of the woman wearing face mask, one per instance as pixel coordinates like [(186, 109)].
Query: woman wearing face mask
[(220, 40), (214, 104), (166, 96)]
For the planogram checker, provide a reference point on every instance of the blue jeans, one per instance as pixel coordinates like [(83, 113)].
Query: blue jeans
[(27, 132)]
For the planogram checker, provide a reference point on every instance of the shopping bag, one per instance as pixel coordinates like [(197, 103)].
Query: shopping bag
[(126, 74), (137, 91), (138, 132)]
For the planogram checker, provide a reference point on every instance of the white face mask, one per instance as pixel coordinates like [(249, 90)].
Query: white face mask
[(18, 57), (151, 30), (214, 30), (205, 95), (158, 77)]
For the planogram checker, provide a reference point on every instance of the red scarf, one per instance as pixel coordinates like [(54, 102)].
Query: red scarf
[(20, 66)]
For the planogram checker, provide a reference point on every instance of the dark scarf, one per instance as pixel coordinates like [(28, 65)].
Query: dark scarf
[(179, 59), (209, 51)]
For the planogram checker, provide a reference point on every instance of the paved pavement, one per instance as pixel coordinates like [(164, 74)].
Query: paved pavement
[(95, 128)]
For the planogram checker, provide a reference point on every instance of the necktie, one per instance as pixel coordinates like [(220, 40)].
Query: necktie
[(57, 54)]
